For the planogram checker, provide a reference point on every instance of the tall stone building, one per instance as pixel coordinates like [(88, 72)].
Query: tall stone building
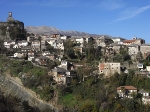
[(108, 69)]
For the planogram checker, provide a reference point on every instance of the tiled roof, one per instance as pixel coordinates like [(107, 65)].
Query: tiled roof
[(127, 87), (128, 41)]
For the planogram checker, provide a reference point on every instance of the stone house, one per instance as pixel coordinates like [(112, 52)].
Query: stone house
[(64, 64), (103, 41), (59, 44), (145, 96), (88, 39), (109, 51), (108, 69), (30, 55), (26, 48), (116, 47), (78, 48), (36, 45), (143, 92), (51, 41), (134, 40), (20, 54), (133, 50), (51, 56), (126, 91), (145, 50), (42, 60), (61, 75)]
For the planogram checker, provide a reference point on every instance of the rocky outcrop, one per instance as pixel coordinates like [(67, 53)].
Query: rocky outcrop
[(14, 87)]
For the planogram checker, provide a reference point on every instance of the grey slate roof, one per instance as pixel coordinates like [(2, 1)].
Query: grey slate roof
[(142, 91), (59, 69)]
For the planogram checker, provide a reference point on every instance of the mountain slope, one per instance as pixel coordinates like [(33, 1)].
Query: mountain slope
[(51, 30)]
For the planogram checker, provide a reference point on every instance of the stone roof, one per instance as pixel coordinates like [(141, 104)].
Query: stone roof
[(43, 57), (46, 52), (142, 91), (59, 69)]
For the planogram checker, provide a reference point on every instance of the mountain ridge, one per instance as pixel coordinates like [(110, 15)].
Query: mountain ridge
[(47, 30)]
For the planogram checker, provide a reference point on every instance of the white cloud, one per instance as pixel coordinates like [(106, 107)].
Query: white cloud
[(112, 4), (132, 12)]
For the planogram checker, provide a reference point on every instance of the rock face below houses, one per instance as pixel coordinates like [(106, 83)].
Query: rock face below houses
[(14, 87)]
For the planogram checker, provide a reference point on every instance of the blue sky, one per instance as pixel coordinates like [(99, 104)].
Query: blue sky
[(117, 18)]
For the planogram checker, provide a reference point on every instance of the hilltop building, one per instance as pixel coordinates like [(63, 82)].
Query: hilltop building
[(12, 29)]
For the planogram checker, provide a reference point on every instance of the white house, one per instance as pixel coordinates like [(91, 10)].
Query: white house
[(64, 37), (60, 44), (80, 40), (126, 91), (51, 41), (64, 64), (145, 96), (23, 43), (20, 54), (118, 40), (30, 55), (8, 44), (44, 53)]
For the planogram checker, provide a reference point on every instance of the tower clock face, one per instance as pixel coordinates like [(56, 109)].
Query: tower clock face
[(10, 14)]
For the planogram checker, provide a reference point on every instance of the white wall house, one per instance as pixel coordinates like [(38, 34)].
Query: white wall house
[(80, 40), (20, 54), (7, 44), (45, 53), (22, 43), (118, 40), (30, 55), (126, 91)]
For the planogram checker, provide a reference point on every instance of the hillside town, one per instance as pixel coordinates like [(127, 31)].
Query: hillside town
[(102, 55)]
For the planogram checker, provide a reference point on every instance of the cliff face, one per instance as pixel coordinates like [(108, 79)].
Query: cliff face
[(14, 87), (12, 30)]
